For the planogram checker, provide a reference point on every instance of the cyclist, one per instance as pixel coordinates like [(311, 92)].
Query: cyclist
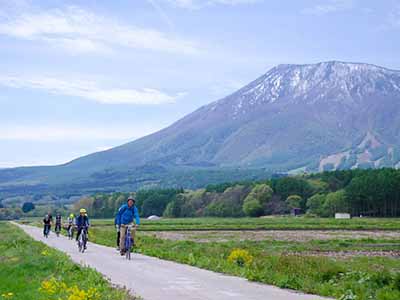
[(58, 223), (47, 220), (125, 216), (71, 220), (81, 222)]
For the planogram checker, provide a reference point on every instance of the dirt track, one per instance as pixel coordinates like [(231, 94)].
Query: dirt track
[(279, 235)]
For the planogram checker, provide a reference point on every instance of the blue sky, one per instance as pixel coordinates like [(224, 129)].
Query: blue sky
[(82, 76)]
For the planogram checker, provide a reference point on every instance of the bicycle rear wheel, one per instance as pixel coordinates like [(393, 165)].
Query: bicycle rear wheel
[(84, 241)]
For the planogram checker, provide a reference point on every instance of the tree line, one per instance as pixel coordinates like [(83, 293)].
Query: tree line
[(374, 193)]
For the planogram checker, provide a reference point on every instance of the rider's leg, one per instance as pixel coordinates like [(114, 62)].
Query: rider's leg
[(133, 233), (118, 238), (78, 233), (122, 237)]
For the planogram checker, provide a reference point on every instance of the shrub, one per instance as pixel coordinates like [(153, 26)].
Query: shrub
[(252, 208)]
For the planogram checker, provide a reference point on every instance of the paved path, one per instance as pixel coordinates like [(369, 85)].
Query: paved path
[(156, 279)]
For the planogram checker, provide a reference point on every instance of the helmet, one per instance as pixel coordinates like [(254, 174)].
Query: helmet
[(130, 198), (82, 211), (71, 215)]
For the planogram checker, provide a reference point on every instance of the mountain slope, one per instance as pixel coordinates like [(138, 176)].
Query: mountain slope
[(315, 117), (291, 116)]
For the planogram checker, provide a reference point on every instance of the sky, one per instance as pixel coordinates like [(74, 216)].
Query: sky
[(78, 77)]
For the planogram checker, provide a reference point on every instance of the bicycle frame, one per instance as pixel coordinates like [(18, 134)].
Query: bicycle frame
[(70, 232), (128, 242), (82, 239)]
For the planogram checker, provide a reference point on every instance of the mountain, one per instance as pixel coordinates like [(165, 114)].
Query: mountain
[(315, 117)]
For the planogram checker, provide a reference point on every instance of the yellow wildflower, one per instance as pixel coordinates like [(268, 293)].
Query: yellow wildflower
[(240, 257)]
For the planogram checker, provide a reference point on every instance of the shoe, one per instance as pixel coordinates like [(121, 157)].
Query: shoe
[(118, 249)]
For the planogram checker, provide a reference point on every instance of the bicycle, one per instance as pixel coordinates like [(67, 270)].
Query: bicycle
[(58, 229), (46, 231), (70, 233), (129, 242), (82, 240)]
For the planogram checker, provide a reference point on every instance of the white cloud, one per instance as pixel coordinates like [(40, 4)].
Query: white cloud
[(55, 132), (197, 4), (75, 29), (90, 90), (330, 6)]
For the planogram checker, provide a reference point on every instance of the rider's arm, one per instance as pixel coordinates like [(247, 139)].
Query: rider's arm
[(118, 216), (137, 218)]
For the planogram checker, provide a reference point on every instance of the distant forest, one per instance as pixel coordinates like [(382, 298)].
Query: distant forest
[(374, 193)]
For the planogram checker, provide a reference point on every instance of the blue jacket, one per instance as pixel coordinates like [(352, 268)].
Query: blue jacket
[(82, 221), (126, 214)]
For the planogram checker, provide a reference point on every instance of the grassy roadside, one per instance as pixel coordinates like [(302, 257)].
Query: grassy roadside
[(31, 270), (299, 265), (284, 264)]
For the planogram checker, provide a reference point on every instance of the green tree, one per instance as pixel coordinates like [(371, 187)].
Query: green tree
[(261, 192), (293, 186), (315, 204), (335, 202), (27, 207), (252, 207), (295, 201)]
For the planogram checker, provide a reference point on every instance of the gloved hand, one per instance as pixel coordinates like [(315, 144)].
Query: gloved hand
[(117, 227)]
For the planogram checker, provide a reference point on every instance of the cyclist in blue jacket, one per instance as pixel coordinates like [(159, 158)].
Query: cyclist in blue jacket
[(82, 222), (127, 213)]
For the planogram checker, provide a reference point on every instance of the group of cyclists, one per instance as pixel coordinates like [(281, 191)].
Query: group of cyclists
[(126, 222)]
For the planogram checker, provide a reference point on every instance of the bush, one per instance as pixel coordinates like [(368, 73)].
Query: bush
[(27, 207), (252, 208), (240, 257)]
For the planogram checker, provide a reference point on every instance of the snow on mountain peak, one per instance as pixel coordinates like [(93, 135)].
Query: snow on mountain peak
[(332, 81)]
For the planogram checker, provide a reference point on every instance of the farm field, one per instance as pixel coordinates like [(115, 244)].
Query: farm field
[(265, 223), (31, 270), (344, 259)]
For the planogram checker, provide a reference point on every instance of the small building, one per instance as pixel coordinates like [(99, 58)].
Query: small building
[(296, 211), (342, 216)]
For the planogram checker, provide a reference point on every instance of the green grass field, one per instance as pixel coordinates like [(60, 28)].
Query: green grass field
[(361, 265), (272, 223), (30, 270)]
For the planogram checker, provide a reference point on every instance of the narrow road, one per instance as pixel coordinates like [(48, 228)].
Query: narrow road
[(156, 279)]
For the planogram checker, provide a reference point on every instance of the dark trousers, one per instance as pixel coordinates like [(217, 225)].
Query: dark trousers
[(79, 232), (118, 237), (45, 227)]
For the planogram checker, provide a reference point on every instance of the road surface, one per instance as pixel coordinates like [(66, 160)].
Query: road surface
[(156, 279)]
